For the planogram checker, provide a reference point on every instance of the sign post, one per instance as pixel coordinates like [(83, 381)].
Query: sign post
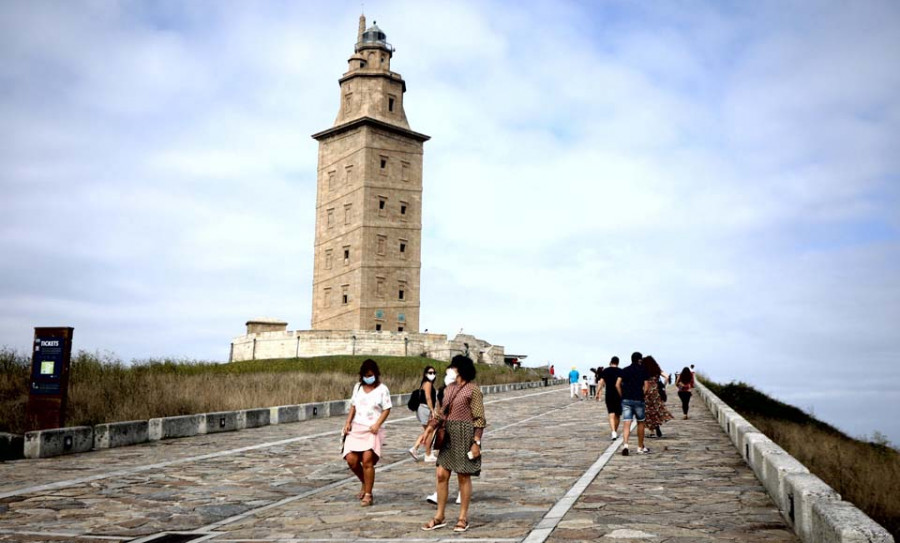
[(49, 381)]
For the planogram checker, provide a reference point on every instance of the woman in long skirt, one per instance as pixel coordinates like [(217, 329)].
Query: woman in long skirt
[(656, 412), (370, 407)]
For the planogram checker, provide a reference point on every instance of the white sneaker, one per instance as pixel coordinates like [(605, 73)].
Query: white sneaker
[(432, 498), (614, 436), (412, 452), (643, 450), (431, 458)]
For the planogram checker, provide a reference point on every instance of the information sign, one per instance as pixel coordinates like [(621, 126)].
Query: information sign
[(49, 381)]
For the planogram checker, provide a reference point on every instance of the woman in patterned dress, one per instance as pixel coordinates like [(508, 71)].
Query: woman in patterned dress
[(363, 434), (463, 414), (656, 412)]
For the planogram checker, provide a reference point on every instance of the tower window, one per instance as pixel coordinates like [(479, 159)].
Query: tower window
[(404, 171), (348, 213), (390, 104), (399, 328), (329, 214), (348, 174), (331, 176), (345, 294), (382, 204), (378, 327), (403, 208), (346, 256), (402, 247), (382, 244), (379, 287), (328, 255), (327, 298), (400, 293), (383, 162)]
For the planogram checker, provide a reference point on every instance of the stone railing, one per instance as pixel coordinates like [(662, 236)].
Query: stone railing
[(77, 439), (812, 508)]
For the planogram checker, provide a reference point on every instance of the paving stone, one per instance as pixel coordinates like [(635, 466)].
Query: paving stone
[(695, 487)]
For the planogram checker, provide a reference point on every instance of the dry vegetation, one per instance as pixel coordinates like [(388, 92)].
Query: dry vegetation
[(863, 473), (103, 389)]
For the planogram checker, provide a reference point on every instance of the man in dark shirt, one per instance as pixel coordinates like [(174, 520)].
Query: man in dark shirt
[(632, 385), (608, 379)]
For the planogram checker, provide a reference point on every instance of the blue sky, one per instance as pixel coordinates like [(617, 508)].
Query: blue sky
[(711, 183)]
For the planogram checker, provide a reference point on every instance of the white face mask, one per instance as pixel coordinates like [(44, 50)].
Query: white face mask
[(369, 380), (450, 378), (430, 376)]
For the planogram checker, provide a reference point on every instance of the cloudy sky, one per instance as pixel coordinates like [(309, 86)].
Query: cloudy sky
[(714, 183)]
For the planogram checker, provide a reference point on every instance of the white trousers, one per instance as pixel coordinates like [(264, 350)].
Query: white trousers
[(575, 389)]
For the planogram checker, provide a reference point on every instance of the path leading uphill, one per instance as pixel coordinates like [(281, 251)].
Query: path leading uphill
[(550, 473)]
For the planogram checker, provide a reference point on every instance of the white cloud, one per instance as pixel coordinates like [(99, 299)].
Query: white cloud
[(715, 185)]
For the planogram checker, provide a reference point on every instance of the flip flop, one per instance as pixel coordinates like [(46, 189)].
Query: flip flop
[(461, 526)]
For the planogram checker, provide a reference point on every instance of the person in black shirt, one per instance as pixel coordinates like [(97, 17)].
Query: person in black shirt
[(632, 385), (608, 379)]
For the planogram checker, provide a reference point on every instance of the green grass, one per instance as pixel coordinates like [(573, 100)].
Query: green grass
[(866, 474)]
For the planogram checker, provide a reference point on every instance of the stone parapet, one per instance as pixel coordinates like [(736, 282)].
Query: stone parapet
[(59, 441), (812, 508), (307, 343), (11, 446)]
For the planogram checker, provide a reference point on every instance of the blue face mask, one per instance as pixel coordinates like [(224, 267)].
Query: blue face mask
[(369, 380)]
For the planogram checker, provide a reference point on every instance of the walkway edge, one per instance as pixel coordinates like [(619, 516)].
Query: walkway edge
[(811, 508)]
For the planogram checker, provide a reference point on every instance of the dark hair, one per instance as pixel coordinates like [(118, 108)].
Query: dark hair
[(636, 357), (686, 375), (424, 376), (651, 367), (614, 361), (464, 366), (367, 366)]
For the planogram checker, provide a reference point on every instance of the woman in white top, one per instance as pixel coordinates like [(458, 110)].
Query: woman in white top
[(370, 407)]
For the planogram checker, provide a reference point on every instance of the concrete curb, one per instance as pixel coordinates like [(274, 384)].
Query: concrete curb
[(11, 446), (59, 441), (812, 508)]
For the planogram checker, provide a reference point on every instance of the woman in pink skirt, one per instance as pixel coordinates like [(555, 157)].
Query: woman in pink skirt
[(369, 408)]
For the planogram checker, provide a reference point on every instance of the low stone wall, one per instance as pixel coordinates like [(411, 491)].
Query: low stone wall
[(812, 508), (60, 441), (11, 446), (307, 343)]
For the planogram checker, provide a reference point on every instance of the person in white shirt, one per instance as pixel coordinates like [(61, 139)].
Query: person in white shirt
[(363, 432)]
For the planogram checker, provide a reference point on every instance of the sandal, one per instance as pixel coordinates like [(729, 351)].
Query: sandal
[(367, 500), (434, 524), (461, 525), (360, 494)]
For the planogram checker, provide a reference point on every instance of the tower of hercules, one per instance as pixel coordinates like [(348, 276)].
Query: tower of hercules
[(368, 200)]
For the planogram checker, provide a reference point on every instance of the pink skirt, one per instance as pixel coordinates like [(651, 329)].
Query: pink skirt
[(360, 439)]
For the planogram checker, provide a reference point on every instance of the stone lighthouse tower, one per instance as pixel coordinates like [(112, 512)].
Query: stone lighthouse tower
[(369, 200)]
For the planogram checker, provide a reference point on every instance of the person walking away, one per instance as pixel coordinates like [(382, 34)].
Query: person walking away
[(425, 412), (584, 387), (656, 412), (463, 413), (592, 383), (574, 387), (685, 384), (608, 380), (370, 406), (632, 385), (552, 372)]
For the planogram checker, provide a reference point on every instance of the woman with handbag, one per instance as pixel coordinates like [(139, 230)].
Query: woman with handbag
[(425, 412), (369, 408), (463, 425)]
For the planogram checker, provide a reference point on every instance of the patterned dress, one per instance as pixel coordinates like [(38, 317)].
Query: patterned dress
[(466, 412), (656, 411)]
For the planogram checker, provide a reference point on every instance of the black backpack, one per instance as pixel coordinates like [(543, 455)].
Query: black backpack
[(415, 399), (662, 390)]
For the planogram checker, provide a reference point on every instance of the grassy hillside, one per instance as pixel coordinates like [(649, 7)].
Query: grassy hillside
[(104, 389), (865, 474)]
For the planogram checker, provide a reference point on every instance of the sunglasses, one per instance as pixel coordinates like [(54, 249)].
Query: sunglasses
[(429, 373)]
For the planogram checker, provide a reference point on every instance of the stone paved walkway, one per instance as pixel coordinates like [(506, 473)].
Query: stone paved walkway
[(287, 483)]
